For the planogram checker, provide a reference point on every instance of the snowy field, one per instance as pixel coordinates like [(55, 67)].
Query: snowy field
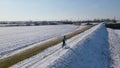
[(89, 49), (114, 42), (16, 38), (117, 31), (98, 47)]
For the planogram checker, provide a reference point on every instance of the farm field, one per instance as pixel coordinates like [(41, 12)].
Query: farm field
[(114, 46), (16, 38)]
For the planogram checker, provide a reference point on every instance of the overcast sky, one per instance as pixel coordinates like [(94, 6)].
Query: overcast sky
[(11, 10)]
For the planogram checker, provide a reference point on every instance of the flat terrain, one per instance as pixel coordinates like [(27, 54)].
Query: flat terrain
[(16, 38), (114, 45)]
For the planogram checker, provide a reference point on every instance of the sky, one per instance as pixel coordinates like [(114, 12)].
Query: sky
[(24, 10)]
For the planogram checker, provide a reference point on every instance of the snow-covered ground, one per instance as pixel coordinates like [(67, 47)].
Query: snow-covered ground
[(114, 42), (117, 31), (16, 38), (89, 49), (98, 47)]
